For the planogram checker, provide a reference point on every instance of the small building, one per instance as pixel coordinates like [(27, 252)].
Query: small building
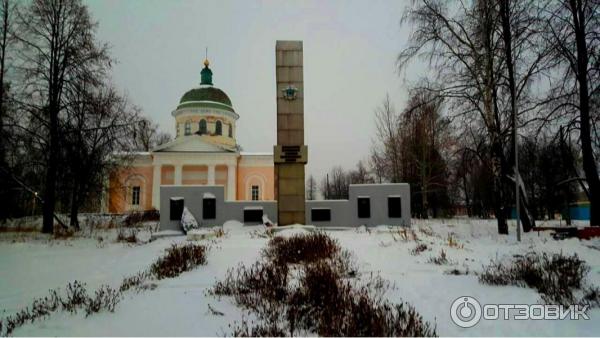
[(204, 152)]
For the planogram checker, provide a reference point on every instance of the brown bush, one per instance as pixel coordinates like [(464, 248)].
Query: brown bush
[(554, 276), (260, 287), (418, 249), (127, 235), (75, 298), (442, 259), (137, 217), (179, 258), (305, 248), (323, 302), (326, 304)]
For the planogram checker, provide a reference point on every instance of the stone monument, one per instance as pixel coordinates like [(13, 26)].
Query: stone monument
[(290, 153)]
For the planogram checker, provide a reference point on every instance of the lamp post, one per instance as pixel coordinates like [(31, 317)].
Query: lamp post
[(517, 181)]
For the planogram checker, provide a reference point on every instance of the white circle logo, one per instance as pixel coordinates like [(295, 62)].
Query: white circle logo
[(465, 311)]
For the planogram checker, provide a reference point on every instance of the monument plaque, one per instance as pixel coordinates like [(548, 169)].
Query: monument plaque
[(290, 153)]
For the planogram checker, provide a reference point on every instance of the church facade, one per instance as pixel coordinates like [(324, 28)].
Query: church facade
[(204, 152)]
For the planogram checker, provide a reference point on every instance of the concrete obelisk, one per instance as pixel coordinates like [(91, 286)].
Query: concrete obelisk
[(290, 153)]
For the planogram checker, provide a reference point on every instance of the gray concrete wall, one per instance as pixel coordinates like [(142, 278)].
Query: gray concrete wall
[(343, 212), (193, 196)]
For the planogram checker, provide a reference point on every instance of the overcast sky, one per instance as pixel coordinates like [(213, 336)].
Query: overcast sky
[(349, 64)]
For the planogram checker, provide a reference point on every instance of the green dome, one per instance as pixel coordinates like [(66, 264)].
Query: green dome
[(206, 94)]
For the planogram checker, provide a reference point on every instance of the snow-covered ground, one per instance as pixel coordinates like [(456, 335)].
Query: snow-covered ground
[(32, 264)]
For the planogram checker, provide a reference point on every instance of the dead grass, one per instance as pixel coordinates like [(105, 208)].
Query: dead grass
[(178, 258), (304, 249), (558, 278), (417, 250), (441, 259), (75, 298), (322, 300)]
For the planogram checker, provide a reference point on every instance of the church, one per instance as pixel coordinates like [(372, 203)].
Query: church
[(204, 152)]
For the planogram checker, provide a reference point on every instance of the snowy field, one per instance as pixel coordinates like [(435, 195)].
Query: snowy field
[(31, 264)]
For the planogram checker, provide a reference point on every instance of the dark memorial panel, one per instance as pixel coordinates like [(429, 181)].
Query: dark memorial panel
[(253, 215), (320, 215), (364, 207), (394, 207), (209, 208), (176, 209)]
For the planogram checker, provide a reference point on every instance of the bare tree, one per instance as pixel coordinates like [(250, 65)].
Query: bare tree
[(360, 175), (464, 45), (336, 184), (6, 10), (311, 188), (386, 124), (573, 30), (98, 126), (58, 49), (147, 135)]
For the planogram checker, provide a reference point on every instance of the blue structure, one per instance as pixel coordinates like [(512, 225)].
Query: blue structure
[(580, 211), (577, 211)]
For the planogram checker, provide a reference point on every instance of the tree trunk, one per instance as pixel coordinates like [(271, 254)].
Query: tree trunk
[(499, 187), (51, 170), (589, 164)]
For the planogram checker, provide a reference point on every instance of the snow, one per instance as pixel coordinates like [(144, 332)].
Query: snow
[(208, 195), (188, 221), (179, 306), (253, 208), (176, 198)]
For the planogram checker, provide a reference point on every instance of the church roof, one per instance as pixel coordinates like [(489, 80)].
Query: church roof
[(206, 95), (193, 143)]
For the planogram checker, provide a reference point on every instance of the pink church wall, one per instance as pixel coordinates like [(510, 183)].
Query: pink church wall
[(122, 180), (264, 177)]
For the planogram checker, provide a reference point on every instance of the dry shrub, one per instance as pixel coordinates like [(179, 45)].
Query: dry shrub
[(257, 287), (306, 248), (138, 217), (426, 230), (453, 243), (269, 329), (179, 258), (323, 301), (405, 235), (554, 276), (442, 259), (136, 281), (418, 249), (105, 298), (330, 306), (61, 232), (127, 235), (457, 272), (75, 298)]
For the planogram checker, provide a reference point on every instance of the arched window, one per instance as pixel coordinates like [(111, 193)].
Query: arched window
[(231, 130), (219, 128), (202, 127), (188, 128), (255, 192)]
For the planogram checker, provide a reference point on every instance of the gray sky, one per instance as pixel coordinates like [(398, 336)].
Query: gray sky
[(349, 64)]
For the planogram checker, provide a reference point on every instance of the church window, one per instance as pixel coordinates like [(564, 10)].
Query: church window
[(255, 192), (135, 195), (202, 127), (230, 130), (188, 128), (219, 128)]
